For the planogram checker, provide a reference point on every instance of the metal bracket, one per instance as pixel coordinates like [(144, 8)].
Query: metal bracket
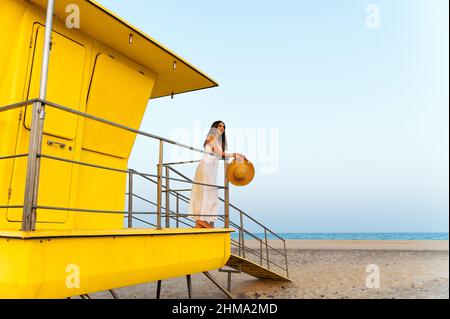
[(226, 292), (42, 114), (231, 270), (113, 293)]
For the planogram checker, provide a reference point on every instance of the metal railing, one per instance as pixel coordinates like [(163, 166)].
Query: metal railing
[(162, 182), (262, 255), (35, 155)]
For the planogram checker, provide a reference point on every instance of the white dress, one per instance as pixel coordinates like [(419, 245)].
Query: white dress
[(204, 199)]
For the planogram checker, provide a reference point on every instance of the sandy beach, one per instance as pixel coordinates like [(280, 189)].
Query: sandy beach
[(328, 269)]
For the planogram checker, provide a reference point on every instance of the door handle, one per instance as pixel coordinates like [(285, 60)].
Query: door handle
[(51, 143)]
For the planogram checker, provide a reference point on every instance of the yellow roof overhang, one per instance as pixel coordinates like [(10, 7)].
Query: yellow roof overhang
[(101, 24)]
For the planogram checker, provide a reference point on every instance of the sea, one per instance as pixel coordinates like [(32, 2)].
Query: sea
[(351, 236)]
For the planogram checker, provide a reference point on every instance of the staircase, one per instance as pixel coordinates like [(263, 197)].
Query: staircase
[(264, 262), (244, 265)]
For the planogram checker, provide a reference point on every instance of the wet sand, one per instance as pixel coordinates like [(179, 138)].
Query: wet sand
[(327, 269)]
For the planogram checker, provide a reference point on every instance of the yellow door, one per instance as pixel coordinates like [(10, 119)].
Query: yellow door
[(119, 91), (65, 77)]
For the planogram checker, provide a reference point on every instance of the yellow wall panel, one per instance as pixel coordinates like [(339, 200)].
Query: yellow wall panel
[(119, 92), (64, 83), (54, 183), (102, 190), (13, 65)]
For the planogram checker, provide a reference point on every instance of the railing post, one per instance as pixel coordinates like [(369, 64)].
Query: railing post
[(267, 248), (243, 233), (227, 194), (36, 131), (159, 186), (167, 198), (32, 175), (260, 253), (240, 240), (130, 198), (178, 210), (285, 258)]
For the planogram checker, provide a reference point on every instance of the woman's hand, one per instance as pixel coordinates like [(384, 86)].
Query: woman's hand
[(240, 157)]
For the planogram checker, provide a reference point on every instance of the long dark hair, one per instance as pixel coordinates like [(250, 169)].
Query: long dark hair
[(224, 138)]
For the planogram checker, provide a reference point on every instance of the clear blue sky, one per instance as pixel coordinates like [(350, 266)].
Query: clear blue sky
[(362, 114)]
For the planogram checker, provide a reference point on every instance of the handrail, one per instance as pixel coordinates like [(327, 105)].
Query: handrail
[(254, 220), (13, 156), (121, 126), (17, 105), (185, 199), (178, 190), (87, 210), (141, 220), (231, 205), (142, 198), (259, 255), (242, 231), (184, 162), (99, 211), (119, 170), (246, 231)]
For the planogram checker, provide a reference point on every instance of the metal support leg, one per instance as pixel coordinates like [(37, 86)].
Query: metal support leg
[(85, 296), (167, 198), (159, 185), (158, 290), (226, 292), (189, 285), (178, 210), (229, 282), (226, 195), (113, 293), (260, 253), (37, 126), (243, 233), (285, 259), (267, 248), (32, 176), (240, 241), (130, 199)]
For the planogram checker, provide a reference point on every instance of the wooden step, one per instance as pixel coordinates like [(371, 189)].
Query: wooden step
[(253, 269)]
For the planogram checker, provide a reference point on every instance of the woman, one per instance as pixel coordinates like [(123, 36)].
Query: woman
[(204, 199)]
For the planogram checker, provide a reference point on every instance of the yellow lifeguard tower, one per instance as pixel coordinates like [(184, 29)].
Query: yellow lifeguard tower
[(73, 98)]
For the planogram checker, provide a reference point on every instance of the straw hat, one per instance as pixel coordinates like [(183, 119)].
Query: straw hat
[(240, 173)]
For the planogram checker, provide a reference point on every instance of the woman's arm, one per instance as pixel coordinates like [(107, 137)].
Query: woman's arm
[(219, 152)]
